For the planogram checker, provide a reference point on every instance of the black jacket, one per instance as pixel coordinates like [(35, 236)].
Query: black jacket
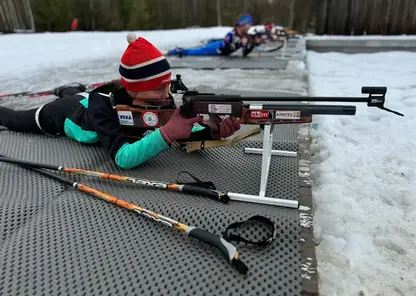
[(95, 120)]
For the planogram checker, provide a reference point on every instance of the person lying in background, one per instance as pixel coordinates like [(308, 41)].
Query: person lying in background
[(234, 40)]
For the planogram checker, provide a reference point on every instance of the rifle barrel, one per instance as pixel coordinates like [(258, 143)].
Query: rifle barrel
[(306, 99), (314, 109)]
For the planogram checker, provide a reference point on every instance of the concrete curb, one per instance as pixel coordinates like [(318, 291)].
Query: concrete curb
[(361, 44)]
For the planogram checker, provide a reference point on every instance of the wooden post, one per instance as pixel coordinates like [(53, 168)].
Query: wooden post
[(7, 18), (4, 26), (30, 15), (16, 16)]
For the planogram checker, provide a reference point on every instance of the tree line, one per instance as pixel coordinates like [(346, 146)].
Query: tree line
[(110, 15), (341, 17)]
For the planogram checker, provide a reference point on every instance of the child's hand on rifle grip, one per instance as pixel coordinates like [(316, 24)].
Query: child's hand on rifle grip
[(222, 128), (178, 127)]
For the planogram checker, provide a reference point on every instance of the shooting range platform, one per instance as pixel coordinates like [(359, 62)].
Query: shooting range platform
[(58, 241), (360, 44), (231, 62)]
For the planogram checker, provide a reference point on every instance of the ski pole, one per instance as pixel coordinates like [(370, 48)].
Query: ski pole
[(28, 94), (190, 189), (228, 250)]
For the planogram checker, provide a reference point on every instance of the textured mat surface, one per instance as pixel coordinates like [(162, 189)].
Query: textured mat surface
[(56, 241)]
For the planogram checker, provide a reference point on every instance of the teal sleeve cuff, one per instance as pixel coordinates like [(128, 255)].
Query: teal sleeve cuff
[(132, 155), (198, 128)]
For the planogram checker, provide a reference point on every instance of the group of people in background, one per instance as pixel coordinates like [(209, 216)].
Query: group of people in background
[(237, 38)]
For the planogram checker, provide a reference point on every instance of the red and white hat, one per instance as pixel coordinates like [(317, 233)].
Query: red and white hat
[(142, 66)]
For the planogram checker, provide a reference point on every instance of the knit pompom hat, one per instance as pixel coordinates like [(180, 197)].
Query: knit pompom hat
[(142, 66)]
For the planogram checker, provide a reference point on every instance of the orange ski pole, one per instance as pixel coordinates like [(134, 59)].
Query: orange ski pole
[(190, 189), (228, 250)]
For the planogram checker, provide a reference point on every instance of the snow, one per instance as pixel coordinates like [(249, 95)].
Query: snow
[(33, 52), (364, 176), (363, 165), (36, 62)]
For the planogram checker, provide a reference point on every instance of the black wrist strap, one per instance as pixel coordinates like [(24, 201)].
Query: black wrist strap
[(198, 182), (253, 219)]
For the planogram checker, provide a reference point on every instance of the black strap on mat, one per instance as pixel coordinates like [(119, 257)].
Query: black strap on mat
[(198, 182), (251, 220)]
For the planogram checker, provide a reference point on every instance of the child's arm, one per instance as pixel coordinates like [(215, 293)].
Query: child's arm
[(126, 155)]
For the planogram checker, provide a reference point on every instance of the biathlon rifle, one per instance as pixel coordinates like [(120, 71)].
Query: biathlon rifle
[(265, 36), (213, 105), (195, 103), (280, 111)]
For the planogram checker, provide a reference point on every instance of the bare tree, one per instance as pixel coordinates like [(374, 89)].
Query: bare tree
[(291, 13), (413, 19), (245, 5), (92, 9), (219, 18)]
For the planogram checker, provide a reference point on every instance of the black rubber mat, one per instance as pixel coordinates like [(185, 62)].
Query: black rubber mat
[(57, 241)]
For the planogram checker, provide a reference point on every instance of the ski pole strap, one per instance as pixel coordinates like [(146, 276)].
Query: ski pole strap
[(251, 220), (198, 182)]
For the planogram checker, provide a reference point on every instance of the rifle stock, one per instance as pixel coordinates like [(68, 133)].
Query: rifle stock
[(156, 117)]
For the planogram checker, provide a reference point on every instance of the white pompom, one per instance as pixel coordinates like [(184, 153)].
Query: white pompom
[(131, 37)]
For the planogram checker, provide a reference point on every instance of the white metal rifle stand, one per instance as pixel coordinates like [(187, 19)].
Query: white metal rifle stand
[(267, 153)]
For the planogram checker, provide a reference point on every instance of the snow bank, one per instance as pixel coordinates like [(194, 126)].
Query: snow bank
[(364, 176)]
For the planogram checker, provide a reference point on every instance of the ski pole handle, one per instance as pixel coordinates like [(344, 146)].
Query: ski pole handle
[(213, 194), (226, 249)]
